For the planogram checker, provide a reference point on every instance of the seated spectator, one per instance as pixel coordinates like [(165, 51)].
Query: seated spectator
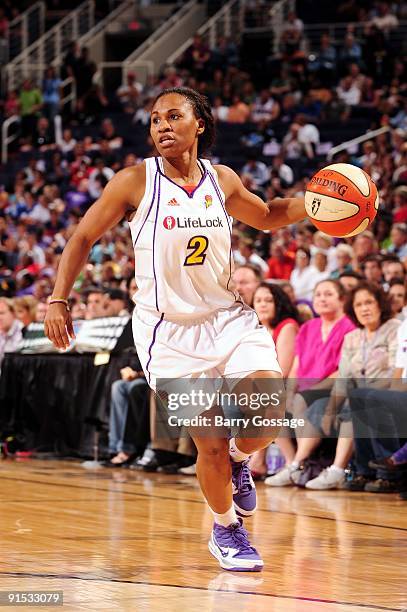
[(317, 354), (320, 263), (246, 255), (124, 452), (371, 269), (238, 111), (43, 137), (324, 60), (257, 170), (10, 328), (277, 313), (364, 244), (51, 93), (378, 417), (265, 109), (98, 178), (349, 280), (41, 311), (398, 298), (349, 92), (308, 136), (304, 277), (282, 171), (367, 358), (398, 236), (95, 304), (25, 310), (281, 263), (197, 58), (291, 35), (246, 279), (129, 94), (351, 51), (108, 133), (116, 303), (344, 256), (31, 103), (385, 20), (392, 268), (142, 115), (400, 204), (12, 105), (291, 147), (67, 143)]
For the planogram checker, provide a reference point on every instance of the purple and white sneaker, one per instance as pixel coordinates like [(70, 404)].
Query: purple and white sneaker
[(244, 489), (231, 547)]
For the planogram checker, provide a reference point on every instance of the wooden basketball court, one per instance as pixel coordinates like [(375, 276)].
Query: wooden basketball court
[(125, 540)]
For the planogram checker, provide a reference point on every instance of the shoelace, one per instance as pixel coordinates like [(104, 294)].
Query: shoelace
[(237, 538), (242, 480)]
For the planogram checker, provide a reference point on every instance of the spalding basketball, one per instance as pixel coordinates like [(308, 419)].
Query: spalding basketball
[(341, 200)]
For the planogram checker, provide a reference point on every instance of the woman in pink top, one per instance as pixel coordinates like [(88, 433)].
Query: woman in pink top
[(280, 316), (317, 354)]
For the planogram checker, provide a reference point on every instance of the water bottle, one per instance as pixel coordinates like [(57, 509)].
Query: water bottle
[(274, 459)]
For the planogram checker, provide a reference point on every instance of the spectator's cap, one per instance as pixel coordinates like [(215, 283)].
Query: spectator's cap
[(116, 294), (131, 75), (7, 287)]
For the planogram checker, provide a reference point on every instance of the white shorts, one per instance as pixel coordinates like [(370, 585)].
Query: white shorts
[(227, 343)]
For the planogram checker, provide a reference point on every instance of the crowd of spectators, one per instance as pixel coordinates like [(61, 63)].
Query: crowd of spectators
[(303, 89)]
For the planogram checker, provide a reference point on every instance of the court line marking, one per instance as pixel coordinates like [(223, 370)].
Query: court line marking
[(195, 588), (195, 501)]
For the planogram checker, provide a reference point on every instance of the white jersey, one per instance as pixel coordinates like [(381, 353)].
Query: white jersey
[(182, 245)]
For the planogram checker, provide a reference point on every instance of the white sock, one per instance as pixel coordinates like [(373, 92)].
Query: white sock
[(227, 518), (294, 465), (235, 453), (335, 468)]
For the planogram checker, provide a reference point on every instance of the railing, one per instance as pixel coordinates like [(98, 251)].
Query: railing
[(277, 18), (337, 32), (50, 48), (99, 29), (25, 29), (113, 74), (228, 22), (350, 145), (7, 138), (161, 31)]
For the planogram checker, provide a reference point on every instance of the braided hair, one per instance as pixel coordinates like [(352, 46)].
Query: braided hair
[(202, 110)]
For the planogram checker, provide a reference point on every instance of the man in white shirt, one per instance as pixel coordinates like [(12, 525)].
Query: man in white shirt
[(246, 255)]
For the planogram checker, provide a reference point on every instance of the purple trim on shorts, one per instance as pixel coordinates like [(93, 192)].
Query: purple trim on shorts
[(155, 228), (149, 210), (151, 346), (218, 193)]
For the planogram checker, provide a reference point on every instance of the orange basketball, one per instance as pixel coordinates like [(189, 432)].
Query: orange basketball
[(341, 200)]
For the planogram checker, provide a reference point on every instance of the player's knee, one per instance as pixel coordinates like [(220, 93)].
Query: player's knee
[(214, 451)]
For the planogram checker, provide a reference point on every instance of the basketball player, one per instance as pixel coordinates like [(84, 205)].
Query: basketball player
[(188, 320)]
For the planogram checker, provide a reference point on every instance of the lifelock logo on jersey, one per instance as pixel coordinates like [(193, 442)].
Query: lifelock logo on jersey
[(186, 222)]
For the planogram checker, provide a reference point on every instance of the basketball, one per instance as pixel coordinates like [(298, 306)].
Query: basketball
[(341, 200)]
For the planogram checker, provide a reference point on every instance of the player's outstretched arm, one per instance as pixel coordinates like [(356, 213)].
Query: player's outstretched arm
[(249, 208), (123, 191)]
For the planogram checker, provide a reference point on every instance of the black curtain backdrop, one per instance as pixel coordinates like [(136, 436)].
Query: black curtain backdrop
[(48, 398)]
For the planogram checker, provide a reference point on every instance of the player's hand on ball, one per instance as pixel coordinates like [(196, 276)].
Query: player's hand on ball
[(58, 325)]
